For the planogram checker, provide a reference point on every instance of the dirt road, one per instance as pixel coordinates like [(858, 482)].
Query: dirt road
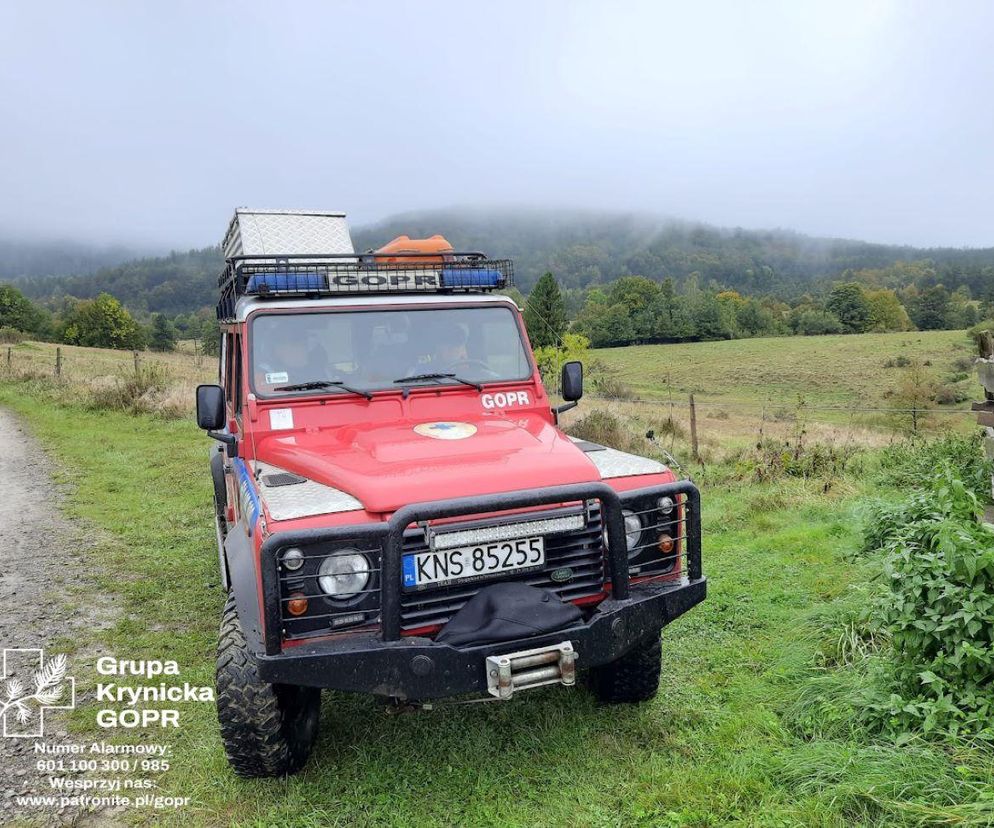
[(42, 567)]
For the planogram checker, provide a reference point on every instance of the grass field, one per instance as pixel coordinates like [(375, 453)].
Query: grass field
[(745, 389), (724, 742), (826, 370)]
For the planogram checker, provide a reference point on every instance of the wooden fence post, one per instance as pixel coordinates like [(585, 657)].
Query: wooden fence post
[(693, 430), (58, 362), (9, 366), (137, 362)]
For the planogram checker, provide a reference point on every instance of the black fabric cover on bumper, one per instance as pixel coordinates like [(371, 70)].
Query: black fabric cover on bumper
[(506, 612)]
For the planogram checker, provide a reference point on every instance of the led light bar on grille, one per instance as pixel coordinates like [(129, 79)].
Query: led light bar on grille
[(503, 532)]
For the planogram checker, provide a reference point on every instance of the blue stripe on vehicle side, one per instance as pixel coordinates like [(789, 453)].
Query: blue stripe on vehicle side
[(247, 489)]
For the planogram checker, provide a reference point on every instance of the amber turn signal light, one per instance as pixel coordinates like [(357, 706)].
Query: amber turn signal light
[(666, 544), (297, 605)]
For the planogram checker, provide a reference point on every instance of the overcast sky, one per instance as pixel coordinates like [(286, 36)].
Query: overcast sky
[(148, 122)]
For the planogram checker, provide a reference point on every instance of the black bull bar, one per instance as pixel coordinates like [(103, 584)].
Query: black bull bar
[(370, 662)]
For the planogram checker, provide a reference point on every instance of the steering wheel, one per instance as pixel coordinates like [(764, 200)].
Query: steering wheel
[(488, 372)]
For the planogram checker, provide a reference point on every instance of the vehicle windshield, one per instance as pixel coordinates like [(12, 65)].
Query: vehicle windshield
[(375, 350)]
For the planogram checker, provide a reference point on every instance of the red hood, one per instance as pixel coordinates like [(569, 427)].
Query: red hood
[(388, 465)]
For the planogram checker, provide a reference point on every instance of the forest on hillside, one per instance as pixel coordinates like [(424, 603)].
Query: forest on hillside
[(624, 277), (583, 249)]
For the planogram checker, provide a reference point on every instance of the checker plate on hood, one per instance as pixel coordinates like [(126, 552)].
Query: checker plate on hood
[(303, 499)]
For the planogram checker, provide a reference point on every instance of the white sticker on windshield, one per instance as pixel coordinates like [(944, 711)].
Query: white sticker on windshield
[(280, 419), (277, 376)]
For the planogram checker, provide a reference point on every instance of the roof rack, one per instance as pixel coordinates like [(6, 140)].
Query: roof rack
[(296, 275)]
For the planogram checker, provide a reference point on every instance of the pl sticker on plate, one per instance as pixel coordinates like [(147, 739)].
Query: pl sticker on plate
[(446, 431)]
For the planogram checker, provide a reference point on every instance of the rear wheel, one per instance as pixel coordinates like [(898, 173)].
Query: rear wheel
[(632, 678), (267, 729)]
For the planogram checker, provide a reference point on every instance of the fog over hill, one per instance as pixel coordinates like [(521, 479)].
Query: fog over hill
[(581, 248), (25, 259)]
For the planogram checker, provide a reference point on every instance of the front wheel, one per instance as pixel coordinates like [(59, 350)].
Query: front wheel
[(632, 678), (267, 729)]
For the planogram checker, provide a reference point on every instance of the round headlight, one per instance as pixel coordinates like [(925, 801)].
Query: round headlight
[(344, 575), (293, 559), (633, 531), (665, 505)]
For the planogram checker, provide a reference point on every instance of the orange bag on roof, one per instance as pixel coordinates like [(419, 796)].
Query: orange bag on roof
[(437, 244)]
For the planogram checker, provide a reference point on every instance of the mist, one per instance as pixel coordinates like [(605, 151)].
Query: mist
[(146, 124)]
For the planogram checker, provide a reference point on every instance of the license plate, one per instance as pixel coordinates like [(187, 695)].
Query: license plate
[(465, 563)]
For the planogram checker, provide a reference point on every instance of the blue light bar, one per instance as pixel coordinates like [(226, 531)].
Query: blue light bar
[(481, 277), (286, 282)]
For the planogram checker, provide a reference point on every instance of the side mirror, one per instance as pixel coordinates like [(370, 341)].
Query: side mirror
[(572, 387), (210, 407), (572, 381)]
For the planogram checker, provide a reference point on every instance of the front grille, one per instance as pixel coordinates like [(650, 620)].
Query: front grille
[(582, 551)]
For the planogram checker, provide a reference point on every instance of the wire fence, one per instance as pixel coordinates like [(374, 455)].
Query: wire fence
[(725, 402), (684, 423)]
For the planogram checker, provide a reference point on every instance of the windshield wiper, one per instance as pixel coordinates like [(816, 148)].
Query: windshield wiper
[(421, 377), (316, 385)]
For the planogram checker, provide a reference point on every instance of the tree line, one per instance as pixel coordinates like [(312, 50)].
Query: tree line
[(630, 310), (101, 322), (622, 279), (585, 251), (635, 309)]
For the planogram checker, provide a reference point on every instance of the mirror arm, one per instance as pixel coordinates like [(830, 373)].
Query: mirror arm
[(229, 439), (559, 409)]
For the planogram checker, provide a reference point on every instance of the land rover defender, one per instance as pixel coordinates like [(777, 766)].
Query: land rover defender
[(397, 509)]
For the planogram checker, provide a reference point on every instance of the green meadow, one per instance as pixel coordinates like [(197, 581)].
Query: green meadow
[(728, 740)]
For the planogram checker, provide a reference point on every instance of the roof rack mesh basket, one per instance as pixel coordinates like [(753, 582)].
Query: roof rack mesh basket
[(314, 275)]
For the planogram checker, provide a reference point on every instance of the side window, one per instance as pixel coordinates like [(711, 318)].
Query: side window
[(237, 373), (229, 371), (222, 362)]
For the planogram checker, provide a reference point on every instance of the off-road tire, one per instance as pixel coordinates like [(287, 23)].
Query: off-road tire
[(267, 729), (630, 679)]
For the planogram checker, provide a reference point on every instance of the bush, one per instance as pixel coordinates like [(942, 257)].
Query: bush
[(101, 323), (898, 362), (938, 611), (550, 359), (964, 364), (818, 322), (603, 428), (136, 392), (10, 336), (949, 394), (610, 386), (912, 464), (776, 459)]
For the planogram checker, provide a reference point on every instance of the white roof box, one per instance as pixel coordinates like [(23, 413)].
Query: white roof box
[(286, 232)]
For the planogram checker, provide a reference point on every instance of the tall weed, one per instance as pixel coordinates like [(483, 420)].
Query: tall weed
[(134, 391), (937, 611), (912, 464)]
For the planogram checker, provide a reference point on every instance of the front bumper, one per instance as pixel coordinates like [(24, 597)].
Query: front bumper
[(419, 668), (389, 664)]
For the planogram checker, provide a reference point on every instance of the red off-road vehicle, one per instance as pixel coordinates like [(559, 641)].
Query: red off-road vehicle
[(398, 512)]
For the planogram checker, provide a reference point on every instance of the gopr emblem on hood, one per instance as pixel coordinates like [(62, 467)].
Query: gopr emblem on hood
[(446, 431)]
